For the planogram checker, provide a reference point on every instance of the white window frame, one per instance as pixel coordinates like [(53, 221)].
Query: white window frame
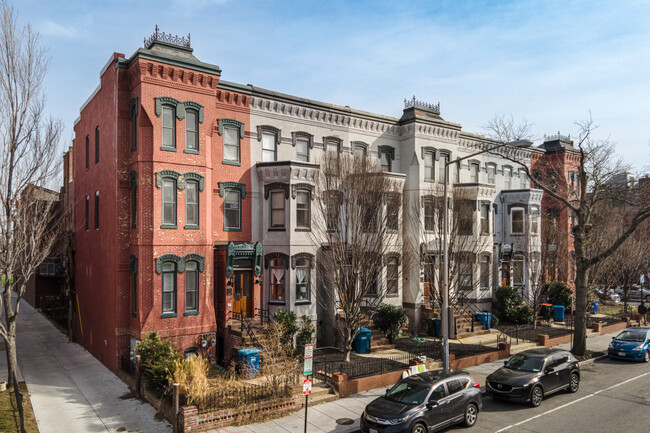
[(512, 221)]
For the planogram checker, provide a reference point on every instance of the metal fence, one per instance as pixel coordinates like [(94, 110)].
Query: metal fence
[(127, 365), (357, 368), (515, 334), (246, 395)]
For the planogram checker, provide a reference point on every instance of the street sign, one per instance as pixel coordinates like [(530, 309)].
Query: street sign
[(642, 279), (309, 354), (306, 387)]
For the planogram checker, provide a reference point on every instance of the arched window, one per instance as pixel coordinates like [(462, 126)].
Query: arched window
[(485, 272), (191, 131), (191, 287), (169, 288), (169, 127), (392, 276), (169, 203), (303, 280)]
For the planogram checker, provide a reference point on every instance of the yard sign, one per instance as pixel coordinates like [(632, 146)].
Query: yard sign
[(309, 355)]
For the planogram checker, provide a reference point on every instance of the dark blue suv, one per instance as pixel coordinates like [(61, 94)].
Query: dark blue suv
[(632, 343), (423, 403)]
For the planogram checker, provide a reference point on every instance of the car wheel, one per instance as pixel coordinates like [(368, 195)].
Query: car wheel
[(646, 357), (419, 428), (536, 396), (471, 415), (647, 298), (574, 384)]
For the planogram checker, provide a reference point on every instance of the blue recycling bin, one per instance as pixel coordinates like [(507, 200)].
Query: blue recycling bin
[(433, 326), (484, 319), (361, 343), (558, 313), (249, 361), (594, 306), (437, 323)]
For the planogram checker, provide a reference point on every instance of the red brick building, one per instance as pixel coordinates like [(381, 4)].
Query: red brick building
[(157, 203), (557, 167)]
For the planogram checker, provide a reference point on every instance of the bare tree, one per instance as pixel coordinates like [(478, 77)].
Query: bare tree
[(356, 226), (27, 164), (598, 165)]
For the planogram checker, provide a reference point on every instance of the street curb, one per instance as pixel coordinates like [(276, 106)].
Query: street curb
[(592, 360)]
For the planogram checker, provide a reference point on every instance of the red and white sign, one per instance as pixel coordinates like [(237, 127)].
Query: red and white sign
[(309, 351), (306, 387)]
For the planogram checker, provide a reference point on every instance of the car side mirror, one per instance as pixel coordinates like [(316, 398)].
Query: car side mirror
[(387, 389), (432, 403), (548, 370), (505, 362)]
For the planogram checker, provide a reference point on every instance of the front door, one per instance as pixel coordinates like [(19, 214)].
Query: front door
[(243, 299)]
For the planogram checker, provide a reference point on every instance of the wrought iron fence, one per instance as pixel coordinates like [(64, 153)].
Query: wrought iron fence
[(246, 395), (356, 369), (515, 334), (127, 365)]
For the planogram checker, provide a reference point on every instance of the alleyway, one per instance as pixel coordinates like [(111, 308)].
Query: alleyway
[(70, 390)]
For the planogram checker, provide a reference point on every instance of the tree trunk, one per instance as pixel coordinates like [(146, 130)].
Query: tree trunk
[(347, 343), (580, 331), (12, 376)]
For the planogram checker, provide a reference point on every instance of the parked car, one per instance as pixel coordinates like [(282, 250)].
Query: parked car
[(533, 374), (610, 294), (632, 343), (635, 293), (423, 403)]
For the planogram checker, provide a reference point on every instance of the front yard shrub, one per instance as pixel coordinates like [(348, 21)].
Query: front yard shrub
[(158, 359), (389, 319), (305, 336), (191, 375), (511, 308), (287, 320), (558, 293), (524, 315)]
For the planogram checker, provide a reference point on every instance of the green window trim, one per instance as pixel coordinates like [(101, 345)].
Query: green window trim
[(180, 261), (223, 186), (179, 106), (231, 123), (194, 176), (167, 315)]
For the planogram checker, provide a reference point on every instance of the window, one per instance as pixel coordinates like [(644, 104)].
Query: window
[(333, 203), (385, 161), (169, 288), (464, 216), (87, 151), (302, 149), (473, 172), (192, 204), (429, 267), (454, 385), (169, 127), (191, 287), (534, 268), (96, 210), (429, 215), (523, 179), (134, 199), (534, 220), (96, 145), (303, 269), (370, 214), (134, 285), (87, 210), (491, 169), (232, 210), (465, 273), (517, 226), (572, 182), (485, 272), (485, 218), (518, 270), (429, 171), (444, 158), (303, 219), (133, 114), (392, 212), (277, 209), (572, 222), (359, 151), (507, 178), (392, 276), (277, 269), (191, 131), (169, 203), (230, 145), (268, 147)]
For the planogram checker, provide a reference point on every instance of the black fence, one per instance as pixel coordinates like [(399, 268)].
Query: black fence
[(358, 368), (246, 395), (127, 365), (515, 334)]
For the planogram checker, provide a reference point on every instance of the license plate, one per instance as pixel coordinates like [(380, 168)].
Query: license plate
[(621, 353), (372, 430)]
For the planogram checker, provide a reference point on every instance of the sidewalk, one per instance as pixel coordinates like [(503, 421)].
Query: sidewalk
[(322, 418), (70, 390)]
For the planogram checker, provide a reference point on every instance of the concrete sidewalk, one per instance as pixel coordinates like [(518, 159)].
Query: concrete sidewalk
[(70, 390), (323, 417)]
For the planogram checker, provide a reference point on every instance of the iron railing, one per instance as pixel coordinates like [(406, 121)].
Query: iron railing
[(244, 396), (323, 371)]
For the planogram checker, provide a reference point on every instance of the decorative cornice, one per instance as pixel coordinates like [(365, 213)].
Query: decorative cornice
[(361, 144), (308, 256), (295, 135), (297, 186), (276, 186), (390, 150), (268, 257), (197, 177), (271, 130), (181, 107), (391, 255), (233, 123), (199, 259), (223, 186)]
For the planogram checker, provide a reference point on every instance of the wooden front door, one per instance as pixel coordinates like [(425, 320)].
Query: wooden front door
[(243, 296)]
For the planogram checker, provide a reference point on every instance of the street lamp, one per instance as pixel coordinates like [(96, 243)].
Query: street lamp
[(445, 269)]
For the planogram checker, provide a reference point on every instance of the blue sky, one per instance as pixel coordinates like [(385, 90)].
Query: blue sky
[(551, 62)]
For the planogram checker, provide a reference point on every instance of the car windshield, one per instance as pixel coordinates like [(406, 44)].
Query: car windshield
[(631, 336), (408, 393), (522, 362)]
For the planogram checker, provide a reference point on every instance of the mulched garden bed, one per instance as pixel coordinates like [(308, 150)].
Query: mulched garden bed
[(529, 333), (433, 348), (330, 360)]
